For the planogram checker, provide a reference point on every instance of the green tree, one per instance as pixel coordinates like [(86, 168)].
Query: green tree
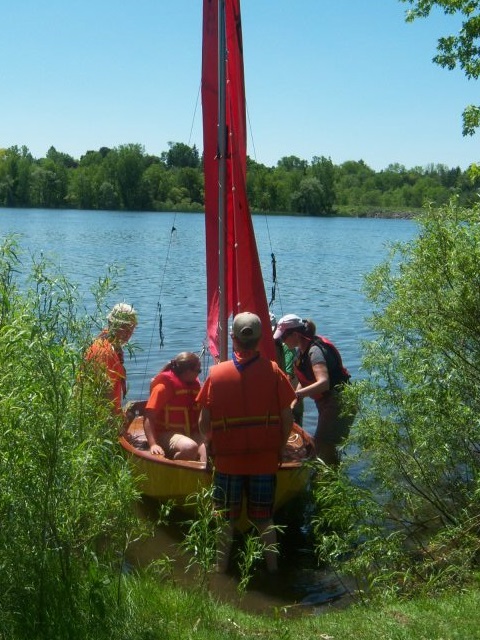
[(290, 171), (15, 176), (127, 178), (391, 178), (268, 189), (309, 198), (180, 155), (66, 492), (413, 519), (23, 184), (157, 182), (461, 49), (469, 186), (49, 184), (94, 157), (93, 184), (81, 189), (322, 168), (128, 164), (192, 180), (108, 197), (351, 177), (292, 163), (61, 158), (177, 196)]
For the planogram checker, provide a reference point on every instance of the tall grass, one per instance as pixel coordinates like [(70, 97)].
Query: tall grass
[(65, 490)]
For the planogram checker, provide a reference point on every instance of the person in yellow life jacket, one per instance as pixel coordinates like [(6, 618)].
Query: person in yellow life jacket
[(106, 351), (171, 412), (246, 418)]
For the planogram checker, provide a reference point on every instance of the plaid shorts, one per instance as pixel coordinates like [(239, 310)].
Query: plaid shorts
[(259, 490)]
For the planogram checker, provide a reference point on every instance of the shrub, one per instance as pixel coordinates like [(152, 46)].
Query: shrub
[(418, 427), (65, 490)]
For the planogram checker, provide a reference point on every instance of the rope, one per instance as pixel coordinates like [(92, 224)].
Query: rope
[(275, 285), (274, 280), (204, 353), (194, 113), (160, 324), (158, 320)]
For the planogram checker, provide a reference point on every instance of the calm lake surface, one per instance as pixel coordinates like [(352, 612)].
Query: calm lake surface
[(321, 264)]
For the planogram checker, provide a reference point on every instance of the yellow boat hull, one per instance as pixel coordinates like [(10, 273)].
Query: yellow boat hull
[(176, 480)]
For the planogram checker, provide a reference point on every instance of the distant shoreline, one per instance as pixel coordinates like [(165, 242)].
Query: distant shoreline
[(350, 212), (370, 212), (401, 215)]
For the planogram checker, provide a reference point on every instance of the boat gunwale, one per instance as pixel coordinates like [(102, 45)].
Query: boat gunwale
[(157, 459), (286, 465)]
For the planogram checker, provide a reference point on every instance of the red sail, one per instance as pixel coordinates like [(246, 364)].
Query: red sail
[(244, 288)]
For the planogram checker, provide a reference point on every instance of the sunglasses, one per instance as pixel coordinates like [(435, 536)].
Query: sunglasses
[(196, 369)]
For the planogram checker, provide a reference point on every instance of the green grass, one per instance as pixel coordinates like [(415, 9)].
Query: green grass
[(176, 613)]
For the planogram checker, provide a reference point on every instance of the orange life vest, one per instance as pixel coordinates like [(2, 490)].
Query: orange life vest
[(245, 441), (180, 414), (110, 357)]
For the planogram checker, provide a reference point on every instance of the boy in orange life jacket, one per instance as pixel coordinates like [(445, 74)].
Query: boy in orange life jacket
[(245, 414), (107, 352)]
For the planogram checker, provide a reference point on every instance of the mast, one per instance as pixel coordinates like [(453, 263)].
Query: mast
[(234, 277), (222, 158)]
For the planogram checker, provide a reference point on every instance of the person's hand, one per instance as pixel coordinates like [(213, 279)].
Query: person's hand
[(157, 450)]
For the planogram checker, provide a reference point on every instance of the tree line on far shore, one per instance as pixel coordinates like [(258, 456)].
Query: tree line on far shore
[(127, 178)]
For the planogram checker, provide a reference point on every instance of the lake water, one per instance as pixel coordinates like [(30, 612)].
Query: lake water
[(321, 264)]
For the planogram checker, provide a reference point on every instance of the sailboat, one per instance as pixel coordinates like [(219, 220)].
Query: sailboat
[(234, 277)]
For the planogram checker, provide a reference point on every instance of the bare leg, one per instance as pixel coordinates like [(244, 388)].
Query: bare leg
[(224, 546), (185, 448), (328, 453), (202, 453), (268, 534)]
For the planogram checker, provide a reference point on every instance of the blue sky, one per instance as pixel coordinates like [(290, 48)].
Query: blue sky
[(346, 79)]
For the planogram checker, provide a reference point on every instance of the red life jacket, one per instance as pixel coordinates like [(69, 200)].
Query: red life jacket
[(337, 373), (181, 412), (245, 443)]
